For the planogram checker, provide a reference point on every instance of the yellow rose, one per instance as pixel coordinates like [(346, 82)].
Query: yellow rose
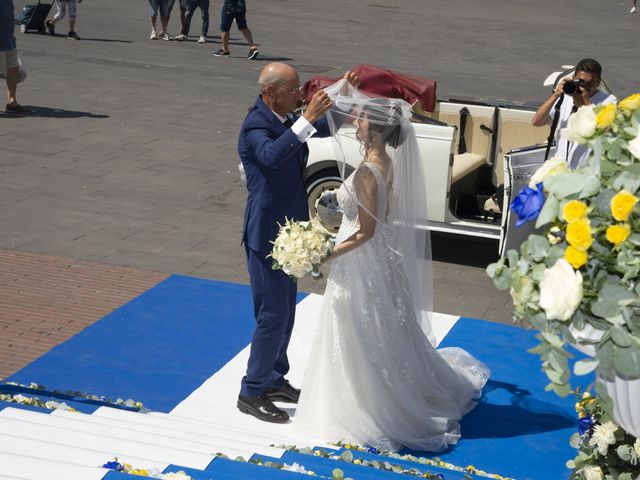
[(606, 116), (579, 234), (574, 210), (617, 234), (622, 204), (575, 257), (632, 102)]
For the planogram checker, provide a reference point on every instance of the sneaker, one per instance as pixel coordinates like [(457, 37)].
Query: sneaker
[(180, 37), (165, 36), (50, 27), (202, 39), (221, 53), (17, 109), (633, 10), (73, 35), (253, 53), (154, 35)]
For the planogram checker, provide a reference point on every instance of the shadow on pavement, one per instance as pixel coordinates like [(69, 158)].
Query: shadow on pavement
[(61, 113)]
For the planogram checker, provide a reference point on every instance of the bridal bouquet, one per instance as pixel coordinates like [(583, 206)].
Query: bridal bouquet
[(578, 281), (300, 248)]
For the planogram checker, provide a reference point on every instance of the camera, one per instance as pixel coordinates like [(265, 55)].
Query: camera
[(572, 87)]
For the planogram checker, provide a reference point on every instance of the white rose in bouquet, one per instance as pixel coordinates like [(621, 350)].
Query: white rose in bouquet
[(581, 125), (553, 166), (300, 248), (560, 290), (634, 146), (592, 472)]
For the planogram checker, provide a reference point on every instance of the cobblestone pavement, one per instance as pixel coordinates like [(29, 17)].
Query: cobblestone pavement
[(130, 159)]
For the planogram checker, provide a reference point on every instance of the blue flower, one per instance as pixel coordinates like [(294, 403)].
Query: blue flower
[(373, 450), (584, 425), (118, 467), (439, 476), (527, 204)]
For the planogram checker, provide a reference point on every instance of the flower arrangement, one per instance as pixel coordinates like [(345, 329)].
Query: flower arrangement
[(151, 473), (300, 248), (68, 395), (604, 449), (34, 402), (578, 281), (388, 465)]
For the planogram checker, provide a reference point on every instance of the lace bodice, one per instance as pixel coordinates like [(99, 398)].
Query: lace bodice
[(348, 202)]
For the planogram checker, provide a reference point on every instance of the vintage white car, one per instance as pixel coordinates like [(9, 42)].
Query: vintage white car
[(470, 151)]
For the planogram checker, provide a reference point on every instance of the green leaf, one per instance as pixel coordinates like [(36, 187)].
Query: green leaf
[(591, 186), (562, 390), (549, 211), (626, 361), (583, 367), (558, 377), (565, 184), (629, 179), (557, 360), (347, 456), (625, 452), (552, 339), (620, 336), (575, 441), (337, 474)]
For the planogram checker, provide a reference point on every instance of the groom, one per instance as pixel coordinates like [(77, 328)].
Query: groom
[(273, 151)]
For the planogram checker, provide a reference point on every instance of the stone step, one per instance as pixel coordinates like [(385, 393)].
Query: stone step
[(212, 440), (48, 450), (30, 467), (122, 444)]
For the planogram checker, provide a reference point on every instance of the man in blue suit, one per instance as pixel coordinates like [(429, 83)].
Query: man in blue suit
[(273, 151)]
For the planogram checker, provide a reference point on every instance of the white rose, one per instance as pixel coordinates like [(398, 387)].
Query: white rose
[(581, 125), (553, 166), (634, 146), (592, 472), (560, 291)]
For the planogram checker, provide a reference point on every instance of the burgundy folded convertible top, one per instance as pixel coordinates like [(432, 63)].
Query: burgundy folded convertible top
[(380, 82)]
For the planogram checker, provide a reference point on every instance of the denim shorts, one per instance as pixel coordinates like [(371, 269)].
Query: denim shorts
[(181, 3), (231, 12), (155, 5)]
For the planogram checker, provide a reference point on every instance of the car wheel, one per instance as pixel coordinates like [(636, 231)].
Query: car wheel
[(319, 189)]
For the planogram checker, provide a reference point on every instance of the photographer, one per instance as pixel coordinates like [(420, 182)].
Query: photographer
[(568, 95)]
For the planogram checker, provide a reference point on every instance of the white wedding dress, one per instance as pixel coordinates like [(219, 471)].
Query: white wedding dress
[(373, 377)]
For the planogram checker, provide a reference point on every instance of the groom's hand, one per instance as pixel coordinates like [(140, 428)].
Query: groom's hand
[(352, 78), (320, 103)]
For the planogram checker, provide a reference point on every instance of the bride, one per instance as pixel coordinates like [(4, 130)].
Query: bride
[(374, 376)]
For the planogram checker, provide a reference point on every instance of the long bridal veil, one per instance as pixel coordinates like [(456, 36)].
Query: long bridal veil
[(406, 217)]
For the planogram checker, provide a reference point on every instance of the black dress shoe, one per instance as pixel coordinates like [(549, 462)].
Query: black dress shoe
[(284, 393), (262, 408)]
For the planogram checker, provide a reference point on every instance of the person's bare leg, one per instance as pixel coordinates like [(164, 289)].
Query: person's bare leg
[(225, 41), (248, 37), (165, 22), (12, 84), (153, 23)]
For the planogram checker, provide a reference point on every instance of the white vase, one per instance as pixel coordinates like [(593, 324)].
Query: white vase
[(586, 333), (626, 403)]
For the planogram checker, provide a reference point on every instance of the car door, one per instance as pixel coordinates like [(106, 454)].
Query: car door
[(520, 164)]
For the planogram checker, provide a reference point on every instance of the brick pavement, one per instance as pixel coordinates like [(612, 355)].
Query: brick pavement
[(44, 300)]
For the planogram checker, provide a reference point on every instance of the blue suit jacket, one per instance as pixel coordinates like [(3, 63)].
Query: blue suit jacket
[(274, 161)]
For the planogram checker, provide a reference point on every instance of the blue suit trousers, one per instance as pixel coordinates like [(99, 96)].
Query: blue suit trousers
[(274, 301)]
